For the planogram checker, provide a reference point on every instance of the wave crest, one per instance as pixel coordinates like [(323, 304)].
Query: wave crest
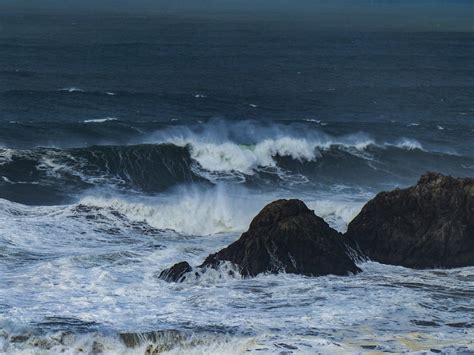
[(246, 146), (407, 143), (100, 120)]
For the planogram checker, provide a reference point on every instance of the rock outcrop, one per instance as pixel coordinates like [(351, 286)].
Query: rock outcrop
[(425, 226), (176, 273), (287, 236)]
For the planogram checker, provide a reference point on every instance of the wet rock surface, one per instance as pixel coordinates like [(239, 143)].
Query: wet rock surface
[(425, 226), (176, 273), (288, 237)]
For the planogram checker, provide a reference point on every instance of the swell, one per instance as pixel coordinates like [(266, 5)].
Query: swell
[(27, 176), (51, 176), (158, 156)]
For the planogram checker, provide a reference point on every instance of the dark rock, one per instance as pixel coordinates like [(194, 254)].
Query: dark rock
[(176, 273), (424, 226), (20, 338), (287, 236), (97, 348)]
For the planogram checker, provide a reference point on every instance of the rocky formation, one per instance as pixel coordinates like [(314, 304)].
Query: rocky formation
[(285, 236), (176, 273), (424, 226)]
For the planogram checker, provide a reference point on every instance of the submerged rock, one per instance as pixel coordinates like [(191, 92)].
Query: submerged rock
[(286, 236), (176, 273), (424, 226)]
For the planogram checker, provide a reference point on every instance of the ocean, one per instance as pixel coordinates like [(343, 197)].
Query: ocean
[(129, 143)]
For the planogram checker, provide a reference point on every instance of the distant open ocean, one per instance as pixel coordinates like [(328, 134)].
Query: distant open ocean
[(130, 143)]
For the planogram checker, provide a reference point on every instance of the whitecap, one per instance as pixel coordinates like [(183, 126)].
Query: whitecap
[(217, 210), (71, 89), (7, 180), (222, 147), (312, 120), (230, 156), (224, 208), (407, 143), (6, 155), (100, 120)]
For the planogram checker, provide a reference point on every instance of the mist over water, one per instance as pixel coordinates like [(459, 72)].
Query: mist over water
[(136, 135)]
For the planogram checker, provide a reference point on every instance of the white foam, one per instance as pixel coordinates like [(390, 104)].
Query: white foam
[(108, 280), (224, 208), (71, 89), (230, 156), (223, 147), (312, 120), (100, 120), (191, 211), (7, 180), (407, 143), (337, 213), (6, 155), (90, 343)]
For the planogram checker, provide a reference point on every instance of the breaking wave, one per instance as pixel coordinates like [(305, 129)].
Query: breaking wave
[(187, 210), (408, 144), (243, 152), (197, 210)]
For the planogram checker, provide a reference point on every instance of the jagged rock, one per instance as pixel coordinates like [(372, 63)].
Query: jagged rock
[(425, 226), (287, 236), (176, 273)]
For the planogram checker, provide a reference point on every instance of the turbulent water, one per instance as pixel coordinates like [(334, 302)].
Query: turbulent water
[(128, 144)]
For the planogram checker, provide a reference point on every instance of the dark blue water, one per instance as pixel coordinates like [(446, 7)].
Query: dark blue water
[(73, 82)]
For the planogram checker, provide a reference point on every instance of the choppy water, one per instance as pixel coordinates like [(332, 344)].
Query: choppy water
[(129, 144)]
